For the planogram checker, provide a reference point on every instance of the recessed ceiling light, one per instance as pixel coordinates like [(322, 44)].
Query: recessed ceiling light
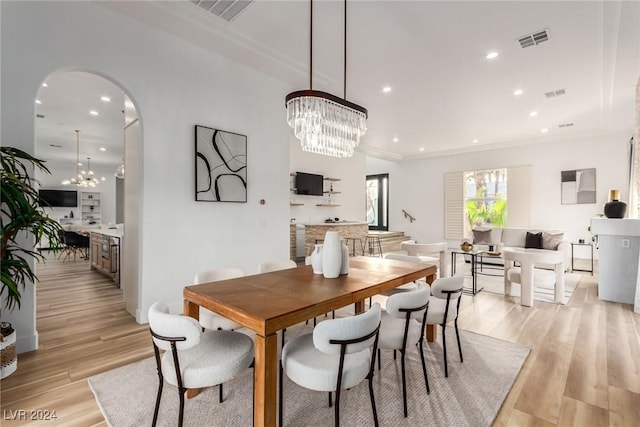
[(533, 114), (104, 179), (518, 92), (45, 84), (93, 112), (38, 102), (396, 139), (421, 148), (105, 99), (492, 55), (386, 89), (475, 141), (103, 149), (79, 164), (544, 130)]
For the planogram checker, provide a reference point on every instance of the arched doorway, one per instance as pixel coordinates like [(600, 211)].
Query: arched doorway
[(87, 124)]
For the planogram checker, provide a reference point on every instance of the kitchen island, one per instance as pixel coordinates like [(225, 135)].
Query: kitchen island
[(105, 252), (347, 230)]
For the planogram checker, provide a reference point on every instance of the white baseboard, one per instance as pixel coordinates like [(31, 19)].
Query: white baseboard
[(27, 343)]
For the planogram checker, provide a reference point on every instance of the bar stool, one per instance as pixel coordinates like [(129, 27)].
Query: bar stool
[(372, 242), (352, 241)]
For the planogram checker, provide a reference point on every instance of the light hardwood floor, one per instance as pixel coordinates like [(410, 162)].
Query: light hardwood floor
[(583, 370)]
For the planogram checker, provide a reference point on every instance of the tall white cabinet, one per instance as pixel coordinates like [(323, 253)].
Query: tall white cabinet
[(619, 259)]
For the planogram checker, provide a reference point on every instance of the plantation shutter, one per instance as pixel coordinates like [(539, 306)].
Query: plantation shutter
[(453, 205), (519, 196)]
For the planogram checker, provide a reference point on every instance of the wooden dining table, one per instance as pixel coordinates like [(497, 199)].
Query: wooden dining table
[(269, 302)]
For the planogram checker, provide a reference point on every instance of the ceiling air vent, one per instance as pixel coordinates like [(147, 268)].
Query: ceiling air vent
[(533, 39), (225, 9), (40, 116), (555, 93), (565, 125)]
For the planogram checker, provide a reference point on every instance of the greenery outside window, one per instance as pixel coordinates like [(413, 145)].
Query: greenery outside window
[(378, 202), (486, 198)]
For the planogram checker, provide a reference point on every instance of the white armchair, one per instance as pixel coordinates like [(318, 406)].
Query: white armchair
[(428, 252)]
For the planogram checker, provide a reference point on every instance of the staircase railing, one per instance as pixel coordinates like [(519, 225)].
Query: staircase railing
[(407, 215)]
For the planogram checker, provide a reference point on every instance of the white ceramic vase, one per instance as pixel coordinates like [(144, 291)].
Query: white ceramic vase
[(331, 255), (344, 269), (316, 259)]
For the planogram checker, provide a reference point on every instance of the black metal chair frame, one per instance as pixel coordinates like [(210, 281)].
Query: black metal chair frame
[(444, 324), (74, 243), (343, 351), (408, 312), (176, 363)]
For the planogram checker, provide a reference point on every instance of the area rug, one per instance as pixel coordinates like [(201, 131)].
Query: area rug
[(471, 396), (493, 281)]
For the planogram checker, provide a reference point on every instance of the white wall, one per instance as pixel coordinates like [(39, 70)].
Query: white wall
[(175, 86), (351, 171), (417, 186)]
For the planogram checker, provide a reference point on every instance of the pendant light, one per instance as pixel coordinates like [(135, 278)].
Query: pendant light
[(324, 123), (83, 178)]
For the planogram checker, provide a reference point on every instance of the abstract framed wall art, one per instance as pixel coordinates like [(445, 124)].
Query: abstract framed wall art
[(221, 166), (578, 186)]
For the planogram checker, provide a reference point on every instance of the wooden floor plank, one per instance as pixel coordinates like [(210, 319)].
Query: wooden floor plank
[(577, 413), (587, 380), (624, 407)]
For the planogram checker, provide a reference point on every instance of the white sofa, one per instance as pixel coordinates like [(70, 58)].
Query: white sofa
[(500, 238)]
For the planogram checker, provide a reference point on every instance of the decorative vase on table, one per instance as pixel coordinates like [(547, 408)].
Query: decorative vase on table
[(316, 259), (344, 268), (615, 208), (331, 255)]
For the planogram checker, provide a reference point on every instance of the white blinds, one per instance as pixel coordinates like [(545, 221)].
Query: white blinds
[(453, 205)]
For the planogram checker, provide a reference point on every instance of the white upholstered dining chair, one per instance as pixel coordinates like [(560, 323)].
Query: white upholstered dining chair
[(443, 308), (192, 358), (267, 266), (336, 356), (209, 319), (399, 330)]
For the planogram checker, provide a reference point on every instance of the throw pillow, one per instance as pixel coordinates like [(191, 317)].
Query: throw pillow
[(482, 237), (552, 239), (533, 240)]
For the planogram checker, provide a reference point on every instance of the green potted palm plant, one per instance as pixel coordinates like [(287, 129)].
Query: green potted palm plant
[(22, 220)]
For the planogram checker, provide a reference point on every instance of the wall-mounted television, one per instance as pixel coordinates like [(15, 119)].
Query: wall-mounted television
[(309, 184), (59, 198)]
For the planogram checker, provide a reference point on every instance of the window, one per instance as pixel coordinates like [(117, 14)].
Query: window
[(485, 198), (378, 202)]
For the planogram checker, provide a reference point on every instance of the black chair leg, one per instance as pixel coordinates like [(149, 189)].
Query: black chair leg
[(404, 384), (181, 392), (424, 368), (444, 349), (458, 337), (337, 409), (155, 412), (394, 355), (330, 401), (373, 401), (220, 394), (379, 361)]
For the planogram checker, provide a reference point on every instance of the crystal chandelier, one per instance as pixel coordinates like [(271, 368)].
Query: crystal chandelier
[(84, 179), (324, 123)]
